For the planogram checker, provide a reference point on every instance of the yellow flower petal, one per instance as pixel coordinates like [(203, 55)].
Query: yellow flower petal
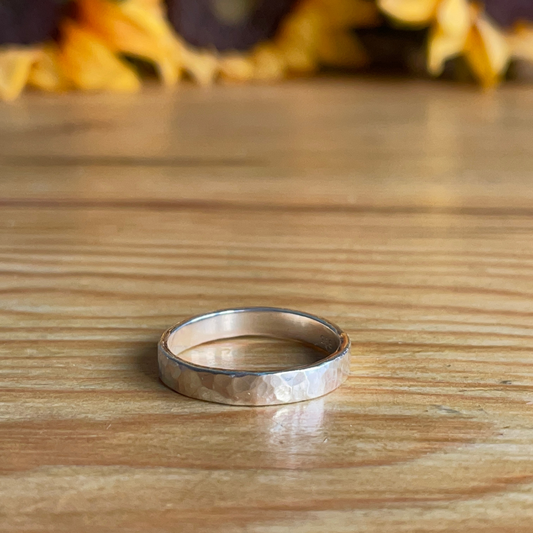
[(46, 73), (91, 65), (297, 60), (318, 32), (348, 13), (487, 52), (269, 64), (416, 12), (15, 66), (341, 49), (201, 65), (236, 67), (454, 17), (134, 27), (301, 28), (521, 42), (298, 39), (448, 36)]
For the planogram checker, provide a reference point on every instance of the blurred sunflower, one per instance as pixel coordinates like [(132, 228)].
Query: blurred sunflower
[(24, 27), (233, 39), (487, 34), (41, 45)]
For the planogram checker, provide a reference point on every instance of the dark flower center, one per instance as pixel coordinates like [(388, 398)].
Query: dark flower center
[(227, 24), (29, 21), (507, 12)]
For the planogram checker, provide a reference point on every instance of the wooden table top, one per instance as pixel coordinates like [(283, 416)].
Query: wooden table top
[(401, 211)]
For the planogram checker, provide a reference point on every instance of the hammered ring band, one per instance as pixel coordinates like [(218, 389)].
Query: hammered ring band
[(242, 387)]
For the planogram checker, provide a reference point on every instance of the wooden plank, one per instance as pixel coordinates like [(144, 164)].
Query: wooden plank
[(401, 211)]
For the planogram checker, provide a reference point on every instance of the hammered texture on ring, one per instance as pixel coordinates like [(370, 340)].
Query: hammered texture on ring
[(251, 387)]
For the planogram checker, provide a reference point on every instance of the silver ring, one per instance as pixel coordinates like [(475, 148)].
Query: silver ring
[(248, 387)]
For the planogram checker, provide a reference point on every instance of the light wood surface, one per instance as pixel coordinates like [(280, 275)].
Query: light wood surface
[(401, 211)]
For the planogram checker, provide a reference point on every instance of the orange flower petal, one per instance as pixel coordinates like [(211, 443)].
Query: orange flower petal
[(134, 27), (487, 52), (91, 65)]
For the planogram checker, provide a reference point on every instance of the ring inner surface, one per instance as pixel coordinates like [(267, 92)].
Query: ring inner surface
[(277, 324)]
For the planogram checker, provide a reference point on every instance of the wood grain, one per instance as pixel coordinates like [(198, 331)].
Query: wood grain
[(401, 211)]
